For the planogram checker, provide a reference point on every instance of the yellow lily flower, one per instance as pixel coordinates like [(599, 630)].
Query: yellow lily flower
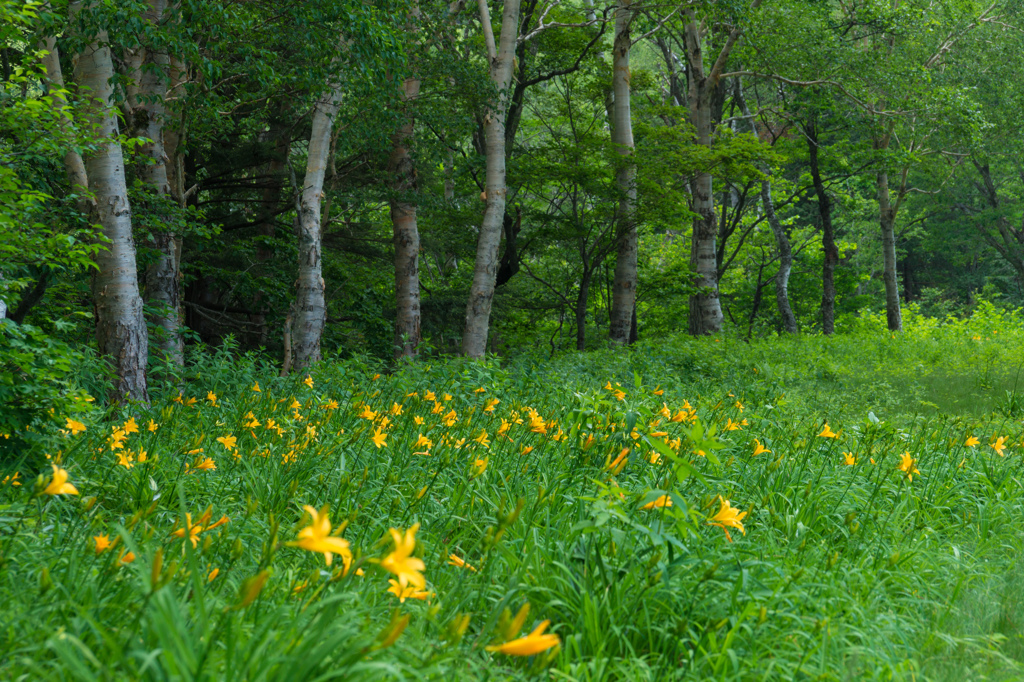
[(401, 562), (59, 485), (532, 644), (316, 537), (728, 517)]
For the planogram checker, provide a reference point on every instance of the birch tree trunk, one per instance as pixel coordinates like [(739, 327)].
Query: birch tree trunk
[(481, 295), (162, 276), (705, 307), (887, 221), (785, 261), (828, 237), (311, 308), (406, 234), (625, 278), (121, 331), (74, 166)]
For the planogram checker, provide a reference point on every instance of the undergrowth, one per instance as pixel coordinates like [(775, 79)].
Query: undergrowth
[(804, 508)]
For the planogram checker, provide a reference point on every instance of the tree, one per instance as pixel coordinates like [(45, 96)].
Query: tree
[(623, 310), (121, 333), (501, 60)]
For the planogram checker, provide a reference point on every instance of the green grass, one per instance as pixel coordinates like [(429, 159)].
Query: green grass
[(844, 572)]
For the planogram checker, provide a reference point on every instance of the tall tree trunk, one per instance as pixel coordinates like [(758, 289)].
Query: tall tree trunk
[(74, 166), (828, 236), (161, 278), (406, 233), (625, 281), (705, 306), (785, 261), (121, 333), (887, 220), (481, 295), (311, 307), (702, 98)]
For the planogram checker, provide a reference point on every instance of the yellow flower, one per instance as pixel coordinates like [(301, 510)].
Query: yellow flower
[(619, 394), (417, 420), (127, 558), (401, 562), (212, 397), (608, 386), (213, 574), (59, 485), (588, 442), (849, 459), (193, 531), (758, 448), (456, 560), (206, 464), (429, 395), (102, 543), (526, 450), (728, 517), (532, 644), (396, 409), (130, 426), (228, 441), (480, 466), (447, 397), (124, 460), (12, 479), (730, 425), (907, 466), (75, 427), (999, 444), (379, 439), (491, 404), (153, 426), (404, 593), (295, 404), (316, 537), (450, 419), (827, 432), (332, 405), (482, 439), (256, 387), (739, 406), (658, 390), (308, 381), (971, 442), (662, 501), (423, 442)]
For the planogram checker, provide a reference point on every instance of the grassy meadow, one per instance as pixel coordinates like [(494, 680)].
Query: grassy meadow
[(784, 509)]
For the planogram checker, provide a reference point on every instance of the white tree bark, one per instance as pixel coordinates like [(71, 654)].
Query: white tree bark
[(481, 295), (120, 328), (406, 233), (625, 280), (161, 277), (311, 307)]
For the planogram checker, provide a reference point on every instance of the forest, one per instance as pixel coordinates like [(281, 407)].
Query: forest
[(511, 339)]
